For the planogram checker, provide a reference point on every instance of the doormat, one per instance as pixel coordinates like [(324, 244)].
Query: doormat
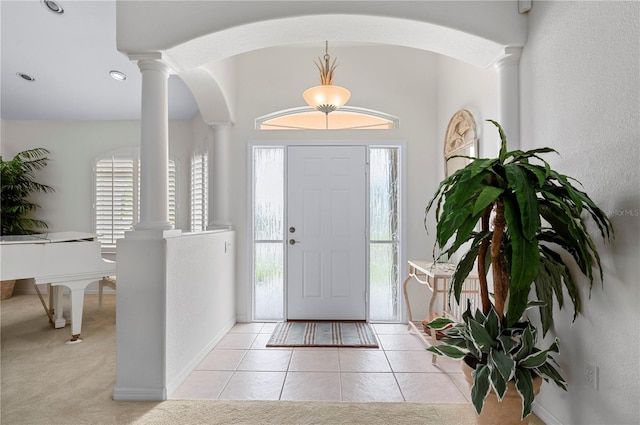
[(323, 334)]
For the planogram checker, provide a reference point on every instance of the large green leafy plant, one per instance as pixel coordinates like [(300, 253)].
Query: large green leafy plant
[(18, 184), (515, 215)]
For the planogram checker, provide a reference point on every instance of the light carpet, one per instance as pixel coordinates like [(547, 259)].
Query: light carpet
[(45, 381), (323, 334)]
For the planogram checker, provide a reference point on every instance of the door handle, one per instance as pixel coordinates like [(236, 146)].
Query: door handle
[(293, 242)]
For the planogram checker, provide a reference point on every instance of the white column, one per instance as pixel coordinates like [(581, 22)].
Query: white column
[(508, 69), (154, 147), (219, 176)]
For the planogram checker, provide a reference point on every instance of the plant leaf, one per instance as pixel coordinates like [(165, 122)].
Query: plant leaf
[(549, 372), (525, 260), (507, 343), (481, 386), (440, 323), (447, 351), (465, 265), (492, 324), (527, 342), (498, 383), (481, 337), (487, 196), (524, 385), (534, 360), (503, 363), (503, 139), (524, 188)]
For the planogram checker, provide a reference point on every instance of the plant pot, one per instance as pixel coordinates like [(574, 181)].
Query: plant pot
[(505, 412), (7, 287)]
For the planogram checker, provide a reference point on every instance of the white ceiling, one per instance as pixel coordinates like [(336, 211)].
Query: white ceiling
[(70, 56)]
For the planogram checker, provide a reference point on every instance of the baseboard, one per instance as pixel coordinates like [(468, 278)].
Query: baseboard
[(173, 386), (544, 414), (139, 394)]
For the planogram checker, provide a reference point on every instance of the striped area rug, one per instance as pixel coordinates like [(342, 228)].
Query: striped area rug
[(323, 334)]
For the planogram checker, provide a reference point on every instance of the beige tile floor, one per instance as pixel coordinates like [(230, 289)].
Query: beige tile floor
[(241, 367)]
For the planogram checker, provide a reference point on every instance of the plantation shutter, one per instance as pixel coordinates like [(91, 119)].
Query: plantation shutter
[(114, 199), (199, 189), (172, 192), (117, 181)]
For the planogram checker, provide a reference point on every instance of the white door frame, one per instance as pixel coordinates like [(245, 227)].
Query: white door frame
[(402, 214)]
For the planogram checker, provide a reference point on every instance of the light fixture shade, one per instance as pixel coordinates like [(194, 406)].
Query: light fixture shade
[(327, 97)]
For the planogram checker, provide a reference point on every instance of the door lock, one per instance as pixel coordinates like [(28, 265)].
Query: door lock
[(292, 229)]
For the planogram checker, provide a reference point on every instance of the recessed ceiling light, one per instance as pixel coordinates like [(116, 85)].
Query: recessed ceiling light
[(25, 77), (53, 6), (117, 75)]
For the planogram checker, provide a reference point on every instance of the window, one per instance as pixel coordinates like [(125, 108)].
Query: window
[(345, 118), (384, 243), (116, 187), (199, 191), (268, 232)]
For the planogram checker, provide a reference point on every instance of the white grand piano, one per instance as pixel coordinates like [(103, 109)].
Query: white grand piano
[(71, 259)]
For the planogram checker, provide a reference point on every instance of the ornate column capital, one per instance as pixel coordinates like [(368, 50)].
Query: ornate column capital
[(150, 61), (153, 65)]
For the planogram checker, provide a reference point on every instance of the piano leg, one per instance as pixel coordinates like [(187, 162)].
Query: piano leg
[(77, 306), (76, 298), (58, 309)]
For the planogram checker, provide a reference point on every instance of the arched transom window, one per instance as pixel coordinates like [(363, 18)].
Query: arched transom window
[(346, 118)]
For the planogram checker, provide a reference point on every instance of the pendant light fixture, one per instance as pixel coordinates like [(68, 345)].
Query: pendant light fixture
[(326, 97)]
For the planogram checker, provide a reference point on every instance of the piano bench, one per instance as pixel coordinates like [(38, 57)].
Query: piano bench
[(107, 281)]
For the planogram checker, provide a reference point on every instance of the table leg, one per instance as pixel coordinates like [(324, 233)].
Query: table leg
[(406, 301), (434, 339)]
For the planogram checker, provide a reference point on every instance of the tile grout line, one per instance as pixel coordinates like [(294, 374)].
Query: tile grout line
[(288, 371), (395, 378), (235, 369), (286, 375)]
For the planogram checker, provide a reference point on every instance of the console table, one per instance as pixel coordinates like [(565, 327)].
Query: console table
[(437, 276)]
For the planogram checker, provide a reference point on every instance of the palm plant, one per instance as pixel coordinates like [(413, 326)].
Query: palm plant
[(514, 213), (18, 184)]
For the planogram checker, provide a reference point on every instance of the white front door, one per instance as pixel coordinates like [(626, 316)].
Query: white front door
[(326, 249)]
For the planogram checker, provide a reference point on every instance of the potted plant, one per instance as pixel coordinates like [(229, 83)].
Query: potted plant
[(18, 184), (527, 214)]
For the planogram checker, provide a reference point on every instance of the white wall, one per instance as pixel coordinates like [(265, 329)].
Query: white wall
[(465, 86), (580, 74), (200, 299), (172, 308), (398, 81), (73, 146)]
